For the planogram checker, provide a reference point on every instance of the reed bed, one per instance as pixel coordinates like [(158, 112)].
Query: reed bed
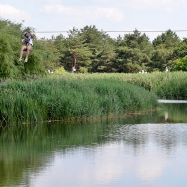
[(149, 81), (70, 99), (173, 89)]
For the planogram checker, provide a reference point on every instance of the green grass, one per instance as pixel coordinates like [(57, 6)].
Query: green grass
[(70, 96), (166, 85), (65, 99), (149, 81), (173, 89)]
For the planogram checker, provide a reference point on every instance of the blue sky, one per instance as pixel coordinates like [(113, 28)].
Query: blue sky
[(116, 15)]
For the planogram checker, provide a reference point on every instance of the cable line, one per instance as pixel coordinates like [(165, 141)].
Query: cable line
[(101, 30)]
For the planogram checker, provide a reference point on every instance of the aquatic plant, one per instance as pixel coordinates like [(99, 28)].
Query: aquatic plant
[(61, 99), (149, 81), (176, 88)]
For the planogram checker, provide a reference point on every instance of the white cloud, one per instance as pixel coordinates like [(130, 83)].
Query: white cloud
[(112, 14), (150, 166), (167, 5), (58, 10), (154, 3), (10, 12)]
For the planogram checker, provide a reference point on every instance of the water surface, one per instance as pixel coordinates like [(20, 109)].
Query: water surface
[(148, 150)]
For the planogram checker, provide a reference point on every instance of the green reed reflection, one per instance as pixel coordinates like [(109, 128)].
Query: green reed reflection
[(26, 149), (174, 112)]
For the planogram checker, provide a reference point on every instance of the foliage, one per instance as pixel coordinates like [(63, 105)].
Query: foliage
[(181, 50), (83, 70), (169, 39), (88, 50), (58, 98), (133, 53), (180, 64), (60, 70), (161, 58), (44, 55), (149, 81), (173, 89)]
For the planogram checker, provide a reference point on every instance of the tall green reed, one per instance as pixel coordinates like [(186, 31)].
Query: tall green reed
[(149, 81), (61, 99), (176, 88)]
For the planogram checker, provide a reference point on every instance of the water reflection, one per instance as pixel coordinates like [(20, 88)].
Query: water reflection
[(146, 150)]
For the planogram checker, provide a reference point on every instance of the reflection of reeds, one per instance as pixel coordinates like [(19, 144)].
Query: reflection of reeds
[(28, 149), (58, 98)]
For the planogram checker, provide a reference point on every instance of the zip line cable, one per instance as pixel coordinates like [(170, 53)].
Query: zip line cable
[(101, 30)]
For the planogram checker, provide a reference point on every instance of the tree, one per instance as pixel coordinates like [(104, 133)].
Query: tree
[(161, 58), (180, 64), (164, 50), (169, 39), (42, 57), (181, 50), (133, 52), (107, 58), (131, 60), (94, 41), (78, 48)]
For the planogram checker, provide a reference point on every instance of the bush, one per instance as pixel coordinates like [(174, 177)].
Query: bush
[(60, 70), (176, 88), (180, 64), (83, 70)]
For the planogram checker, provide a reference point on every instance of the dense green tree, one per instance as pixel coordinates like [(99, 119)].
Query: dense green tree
[(65, 58), (94, 40), (133, 52), (40, 59), (89, 50), (181, 50), (107, 58), (131, 60), (10, 45), (164, 52), (180, 64), (169, 39), (78, 48), (161, 58)]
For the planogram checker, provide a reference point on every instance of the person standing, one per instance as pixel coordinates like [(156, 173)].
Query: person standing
[(28, 45)]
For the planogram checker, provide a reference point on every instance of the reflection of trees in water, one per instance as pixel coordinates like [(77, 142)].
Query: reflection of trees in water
[(26, 149), (165, 136), (175, 112)]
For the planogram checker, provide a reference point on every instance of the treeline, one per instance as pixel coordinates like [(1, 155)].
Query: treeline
[(91, 50)]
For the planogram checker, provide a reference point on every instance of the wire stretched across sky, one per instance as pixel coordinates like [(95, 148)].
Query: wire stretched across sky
[(107, 31), (101, 30)]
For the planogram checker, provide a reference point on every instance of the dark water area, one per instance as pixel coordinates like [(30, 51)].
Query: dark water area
[(138, 150)]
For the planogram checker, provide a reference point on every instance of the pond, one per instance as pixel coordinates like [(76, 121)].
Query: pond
[(138, 150)]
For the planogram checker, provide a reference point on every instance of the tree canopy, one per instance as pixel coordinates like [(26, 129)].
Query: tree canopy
[(90, 50)]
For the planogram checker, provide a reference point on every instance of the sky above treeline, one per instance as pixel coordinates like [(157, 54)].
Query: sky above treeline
[(106, 15)]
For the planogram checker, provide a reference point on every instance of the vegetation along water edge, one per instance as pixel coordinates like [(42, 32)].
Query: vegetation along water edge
[(149, 81), (61, 99)]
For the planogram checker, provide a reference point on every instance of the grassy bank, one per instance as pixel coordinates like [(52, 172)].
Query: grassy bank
[(65, 99)]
